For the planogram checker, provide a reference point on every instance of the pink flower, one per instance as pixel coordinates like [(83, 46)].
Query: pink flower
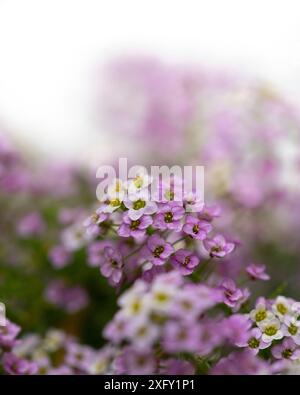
[(209, 213), (241, 363), (116, 329), (135, 361), (257, 272), (95, 252), (218, 246), (135, 228), (235, 328), (31, 225), (59, 256), (8, 334), (112, 267), (169, 216), (185, 261), (253, 341), (139, 204), (288, 349), (198, 229), (93, 221), (180, 337), (18, 366), (158, 250), (232, 296)]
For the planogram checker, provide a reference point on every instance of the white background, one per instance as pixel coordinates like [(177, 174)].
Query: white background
[(51, 51)]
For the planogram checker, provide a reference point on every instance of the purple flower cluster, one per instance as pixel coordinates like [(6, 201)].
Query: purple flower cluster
[(163, 233), (54, 354)]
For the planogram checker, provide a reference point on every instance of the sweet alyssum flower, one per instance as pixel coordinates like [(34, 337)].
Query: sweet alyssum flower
[(193, 203), (31, 224), (254, 341), (282, 307), (271, 330), (59, 256), (93, 221), (135, 361), (18, 366), (69, 298), (112, 265), (288, 349), (95, 252), (8, 335), (179, 337), (169, 216), (75, 237), (197, 229), (138, 204), (260, 313), (257, 272), (141, 181), (232, 295), (184, 261), (158, 250), (291, 328), (218, 246), (135, 228), (133, 301), (142, 333)]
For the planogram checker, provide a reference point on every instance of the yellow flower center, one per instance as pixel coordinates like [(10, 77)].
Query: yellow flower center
[(135, 224), (138, 204), (260, 315), (138, 182), (169, 195), (253, 342), (281, 308), (293, 329), (161, 297), (270, 330), (287, 353), (115, 202)]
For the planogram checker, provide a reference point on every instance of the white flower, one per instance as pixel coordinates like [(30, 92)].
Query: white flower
[(260, 313), (193, 204), (75, 237), (271, 330), (142, 180), (291, 328), (143, 332), (133, 301), (282, 307), (100, 361), (111, 205), (161, 296), (112, 200), (138, 205), (54, 339), (117, 189), (295, 309)]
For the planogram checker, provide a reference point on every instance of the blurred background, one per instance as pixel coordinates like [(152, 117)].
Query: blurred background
[(173, 82), (53, 52)]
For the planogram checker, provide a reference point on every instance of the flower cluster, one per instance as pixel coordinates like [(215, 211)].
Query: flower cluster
[(241, 129), (54, 354), (185, 287), (185, 321), (160, 234)]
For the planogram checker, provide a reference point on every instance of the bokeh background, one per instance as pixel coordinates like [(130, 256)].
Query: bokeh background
[(52, 53), (173, 82)]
